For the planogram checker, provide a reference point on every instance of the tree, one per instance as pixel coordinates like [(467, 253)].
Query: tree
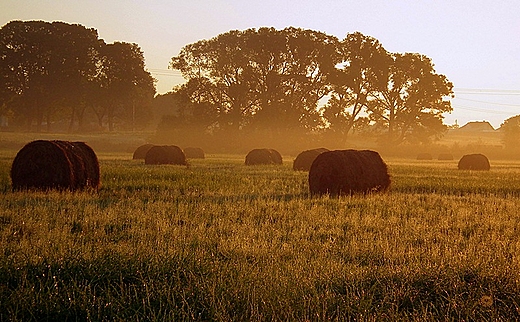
[(411, 103), (290, 71), (217, 66), (356, 79), (123, 84), (511, 130), (260, 77), (45, 66)]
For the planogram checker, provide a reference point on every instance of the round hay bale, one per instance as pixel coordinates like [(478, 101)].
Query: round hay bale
[(474, 162), (165, 154), (194, 153), (263, 156), (344, 172), (140, 152), (91, 165), (42, 165), (304, 160), (424, 156), (276, 156), (75, 156), (445, 157)]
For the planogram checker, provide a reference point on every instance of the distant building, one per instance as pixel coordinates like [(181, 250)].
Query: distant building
[(477, 126)]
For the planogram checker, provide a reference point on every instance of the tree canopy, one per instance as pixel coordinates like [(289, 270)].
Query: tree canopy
[(279, 80), (55, 72), (255, 80)]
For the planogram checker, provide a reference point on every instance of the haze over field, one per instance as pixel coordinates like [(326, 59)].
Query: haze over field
[(473, 43)]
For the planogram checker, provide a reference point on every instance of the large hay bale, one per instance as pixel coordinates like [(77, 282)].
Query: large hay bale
[(304, 160), (424, 156), (165, 154), (93, 174), (263, 156), (474, 162), (344, 172), (141, 151), (445, 157), (194, 153), (55, 165)]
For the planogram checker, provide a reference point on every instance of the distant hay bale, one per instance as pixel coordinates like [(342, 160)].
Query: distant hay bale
[(194, 153), (474, 162), (140, 152), (445, 157), (263, 156), (304, 160), (165, 154), (344, 172), (424, 156), (56, 164)]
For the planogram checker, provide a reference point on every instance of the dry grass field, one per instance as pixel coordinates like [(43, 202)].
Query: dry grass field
[(222, 241)]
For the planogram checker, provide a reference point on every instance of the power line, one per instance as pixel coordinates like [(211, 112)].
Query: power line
[(483, 110), (493, 103), (481, 91)]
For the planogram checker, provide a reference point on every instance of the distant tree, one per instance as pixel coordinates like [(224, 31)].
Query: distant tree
[(359, 74), (217, 66), (411, 103), (511, 132), (290, 68), (260, 77), (45, 67), (123, 85)]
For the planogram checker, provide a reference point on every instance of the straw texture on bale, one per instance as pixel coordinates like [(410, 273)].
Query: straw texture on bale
[(445, 157), (304, 160), (165, 154), (474, 162), (424, 156), (93, 174), (141, 151), (345, 172), (194, 153), (59, 165), (263, 156)]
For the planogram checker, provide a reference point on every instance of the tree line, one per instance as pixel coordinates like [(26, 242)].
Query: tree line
[(262, 80), (60, 73), (306, 81)]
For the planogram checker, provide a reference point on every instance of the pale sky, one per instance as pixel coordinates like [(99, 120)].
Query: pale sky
[(475, 43)]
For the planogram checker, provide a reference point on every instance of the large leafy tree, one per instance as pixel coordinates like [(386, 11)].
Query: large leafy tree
[(511, 131), (412, 101), (290, 68), (123, 84), (217, 66), (356, 79), (45, 67), (58, 71), (262, 77)]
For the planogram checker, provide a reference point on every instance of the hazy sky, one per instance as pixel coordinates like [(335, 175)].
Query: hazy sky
[(475, 43)]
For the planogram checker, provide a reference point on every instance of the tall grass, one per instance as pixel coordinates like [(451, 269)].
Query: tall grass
[(223, 241)]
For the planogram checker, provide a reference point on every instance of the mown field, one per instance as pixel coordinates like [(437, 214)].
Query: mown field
[(225, 242)]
